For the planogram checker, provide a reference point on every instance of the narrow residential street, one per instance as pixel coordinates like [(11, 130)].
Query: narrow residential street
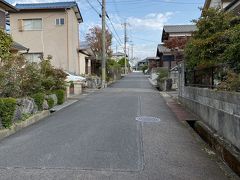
[(99, 138)]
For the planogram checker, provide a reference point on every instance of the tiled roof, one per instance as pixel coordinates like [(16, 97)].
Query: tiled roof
[(18, 47), (152, 58), (179, 28), (118, 54), (54, 5), (50, 6), (84, 45)]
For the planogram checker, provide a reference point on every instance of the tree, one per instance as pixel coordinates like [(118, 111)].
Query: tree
[(122, 62), (176, 42), (213, 42), (94, 38), (5, 44)]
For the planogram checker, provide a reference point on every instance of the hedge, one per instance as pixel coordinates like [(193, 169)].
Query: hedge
[(39, 99), (60, 95), (7, 109)]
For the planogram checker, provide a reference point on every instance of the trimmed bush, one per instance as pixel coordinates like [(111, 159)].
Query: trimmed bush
[(50, 102), (7, 108), (39, 99), (60, 96)]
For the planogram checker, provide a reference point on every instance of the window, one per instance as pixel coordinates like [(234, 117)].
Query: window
[(60, 21), (33, 57), (32, 24)]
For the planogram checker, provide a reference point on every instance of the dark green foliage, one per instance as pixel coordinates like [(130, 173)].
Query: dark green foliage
[(144, 68), (38, 99), (25, 116), (31, 80), (162, 75), (71, 84), (216, 40), (231, 53), (113, 69), (50, 102), (52, 78), (231, 82), (7, 108), (60, 96), (5, 44), (19, 78), (121, 62), (11, 76)]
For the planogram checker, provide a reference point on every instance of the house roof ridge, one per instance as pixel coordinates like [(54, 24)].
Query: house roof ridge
[(51, 6), (61, 2), (180, 25)]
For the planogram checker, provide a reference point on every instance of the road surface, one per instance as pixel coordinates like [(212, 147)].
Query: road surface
[(99, 138)]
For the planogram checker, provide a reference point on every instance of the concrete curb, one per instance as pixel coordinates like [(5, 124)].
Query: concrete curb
[(22, 124)]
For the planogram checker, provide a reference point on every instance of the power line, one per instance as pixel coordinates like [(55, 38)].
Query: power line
[(114, 29), (99, 14), (120, 43)]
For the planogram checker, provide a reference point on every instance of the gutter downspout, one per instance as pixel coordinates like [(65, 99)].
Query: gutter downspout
[(78, 54), (67, 42)]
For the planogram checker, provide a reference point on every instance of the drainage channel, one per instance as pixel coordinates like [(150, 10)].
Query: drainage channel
[(229, 154)]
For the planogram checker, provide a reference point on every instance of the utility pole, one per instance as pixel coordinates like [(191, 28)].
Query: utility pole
[(125, 46), (132, 50), (103, 43)]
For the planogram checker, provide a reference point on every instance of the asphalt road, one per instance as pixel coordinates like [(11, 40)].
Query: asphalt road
[(98, 138)]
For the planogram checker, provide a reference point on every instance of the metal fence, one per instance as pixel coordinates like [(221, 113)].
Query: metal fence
[(206, 77)]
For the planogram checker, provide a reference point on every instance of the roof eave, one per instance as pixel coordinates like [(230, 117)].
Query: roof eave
[(230, 5), (8, 7), (79, 18)]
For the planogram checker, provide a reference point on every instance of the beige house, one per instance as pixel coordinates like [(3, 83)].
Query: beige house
[(6, 8), (216, 4), (49, 29), (86, 58)]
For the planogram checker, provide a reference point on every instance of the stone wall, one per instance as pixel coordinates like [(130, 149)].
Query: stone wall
[(220, 110)]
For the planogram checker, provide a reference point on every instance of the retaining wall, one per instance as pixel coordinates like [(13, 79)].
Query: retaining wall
[(219, 110)]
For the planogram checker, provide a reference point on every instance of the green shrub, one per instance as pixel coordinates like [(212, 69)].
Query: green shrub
[(53, 79), (25, 116), (144, 68), (60, 96), (50, 102), (162, 75), (7, 108), (39, 99), (231, 82)]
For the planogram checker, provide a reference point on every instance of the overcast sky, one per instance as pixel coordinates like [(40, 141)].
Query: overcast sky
[(145, 19)]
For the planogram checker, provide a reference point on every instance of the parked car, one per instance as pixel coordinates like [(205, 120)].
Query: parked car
[(74, 78)]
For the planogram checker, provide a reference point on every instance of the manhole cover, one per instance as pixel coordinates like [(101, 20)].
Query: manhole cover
[(147, 119)]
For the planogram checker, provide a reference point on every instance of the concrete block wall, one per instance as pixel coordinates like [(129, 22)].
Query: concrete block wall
[(220, 110)]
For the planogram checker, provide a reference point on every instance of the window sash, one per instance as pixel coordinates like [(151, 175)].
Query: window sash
[(33, 57), (32, 24), (60, 21)]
